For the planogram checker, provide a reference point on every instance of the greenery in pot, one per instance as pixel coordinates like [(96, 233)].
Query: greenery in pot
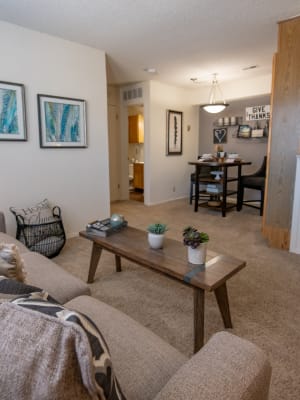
[(192, 237), (157, 229)]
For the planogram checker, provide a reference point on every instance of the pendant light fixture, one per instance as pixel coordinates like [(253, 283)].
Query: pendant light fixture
[(214, 106)]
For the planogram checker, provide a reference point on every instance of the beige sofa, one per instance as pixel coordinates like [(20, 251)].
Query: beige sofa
[(147, 367)]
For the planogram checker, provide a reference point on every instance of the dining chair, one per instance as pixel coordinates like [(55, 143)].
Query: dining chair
[(255, 181)]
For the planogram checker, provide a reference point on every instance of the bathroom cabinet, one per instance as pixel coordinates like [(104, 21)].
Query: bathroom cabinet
[(138, 175), (136, 128)]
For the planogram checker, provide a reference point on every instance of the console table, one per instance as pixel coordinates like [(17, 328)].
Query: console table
[(224, 166)]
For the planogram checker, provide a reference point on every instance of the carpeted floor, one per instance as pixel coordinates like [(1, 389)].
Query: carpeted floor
[(264, 297)]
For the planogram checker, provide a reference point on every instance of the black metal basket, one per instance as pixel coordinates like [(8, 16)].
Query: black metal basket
[(47, 238)]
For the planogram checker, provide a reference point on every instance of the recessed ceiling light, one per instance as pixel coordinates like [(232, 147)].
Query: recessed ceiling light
[(250, 67), (150, 70)]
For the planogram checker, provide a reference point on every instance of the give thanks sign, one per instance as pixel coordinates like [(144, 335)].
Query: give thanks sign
[(257, 112)]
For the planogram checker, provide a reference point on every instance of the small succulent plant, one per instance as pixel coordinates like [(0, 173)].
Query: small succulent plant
[(157, 229), (192, 237)]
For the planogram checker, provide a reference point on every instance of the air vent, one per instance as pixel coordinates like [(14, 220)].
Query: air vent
[(131, 94)]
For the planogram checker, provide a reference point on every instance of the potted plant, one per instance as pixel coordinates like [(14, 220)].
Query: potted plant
[(196, 242), (156, 234)]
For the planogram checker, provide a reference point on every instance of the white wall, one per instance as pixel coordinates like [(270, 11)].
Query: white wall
[(169, 172), (75, 179)]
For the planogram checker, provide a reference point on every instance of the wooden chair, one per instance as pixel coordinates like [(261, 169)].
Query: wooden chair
[(254, 181)]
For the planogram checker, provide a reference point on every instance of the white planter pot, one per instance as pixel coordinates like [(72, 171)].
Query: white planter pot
[(155, 241), (198, 255)]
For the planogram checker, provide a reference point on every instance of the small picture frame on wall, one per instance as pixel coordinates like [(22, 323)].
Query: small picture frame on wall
[(174, 132), (62, 122), (12, 112), (220, 135), (244, 131)]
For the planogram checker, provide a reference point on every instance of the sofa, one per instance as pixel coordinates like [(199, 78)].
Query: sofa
[(147, 367)]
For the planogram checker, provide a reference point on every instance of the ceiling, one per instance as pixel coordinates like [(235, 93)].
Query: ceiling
[(181, 39)]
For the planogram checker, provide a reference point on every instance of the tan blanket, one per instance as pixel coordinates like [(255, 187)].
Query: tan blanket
[(42, 357)]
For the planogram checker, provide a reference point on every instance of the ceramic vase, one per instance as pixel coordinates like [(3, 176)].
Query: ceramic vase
[(155, 241), (198, 255)]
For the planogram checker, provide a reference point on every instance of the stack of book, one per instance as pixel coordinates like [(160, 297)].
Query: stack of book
[(213, 188), (104, 227)]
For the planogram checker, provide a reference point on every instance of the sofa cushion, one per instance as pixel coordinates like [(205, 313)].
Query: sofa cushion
[(98, 376), (142, 361), (60, 284), (11, 264), (38, 214)]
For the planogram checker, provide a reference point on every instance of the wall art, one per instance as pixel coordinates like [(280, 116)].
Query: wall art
[(220, 135), (174, 132), (62, 122), (244, 131), (12, 112)]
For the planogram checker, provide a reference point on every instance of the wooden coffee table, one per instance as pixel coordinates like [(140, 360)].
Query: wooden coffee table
[(132, 244)]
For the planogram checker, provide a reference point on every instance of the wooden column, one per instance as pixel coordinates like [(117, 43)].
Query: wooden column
[(284, 138)]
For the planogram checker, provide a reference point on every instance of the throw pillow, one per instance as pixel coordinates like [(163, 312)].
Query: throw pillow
[(35, 215), (13, 265), (102, 382), (11, 289)]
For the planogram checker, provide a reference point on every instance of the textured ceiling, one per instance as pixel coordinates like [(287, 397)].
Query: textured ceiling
[(182, 39)]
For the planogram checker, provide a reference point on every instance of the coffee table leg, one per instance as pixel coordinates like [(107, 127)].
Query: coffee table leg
[(96, 253), (118, 263), (198, 319), (223, 303)]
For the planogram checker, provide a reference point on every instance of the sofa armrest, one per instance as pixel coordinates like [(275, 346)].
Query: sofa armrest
[(2, 222), (227, 367)]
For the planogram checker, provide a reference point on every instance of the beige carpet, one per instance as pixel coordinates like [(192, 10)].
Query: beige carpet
[(264, 297)]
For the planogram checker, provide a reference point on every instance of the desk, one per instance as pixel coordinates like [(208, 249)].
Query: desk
[(224, 181)]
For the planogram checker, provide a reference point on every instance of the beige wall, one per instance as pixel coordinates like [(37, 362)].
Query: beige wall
[(170, 175), (74, 179)]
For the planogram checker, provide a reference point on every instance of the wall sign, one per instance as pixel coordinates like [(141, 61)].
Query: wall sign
[(257, 112), (220, 135)]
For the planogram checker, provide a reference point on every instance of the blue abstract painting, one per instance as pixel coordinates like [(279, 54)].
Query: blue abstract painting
[(8, 112), (62, 122)]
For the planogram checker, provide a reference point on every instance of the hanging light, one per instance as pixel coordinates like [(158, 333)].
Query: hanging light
[(214, 106)]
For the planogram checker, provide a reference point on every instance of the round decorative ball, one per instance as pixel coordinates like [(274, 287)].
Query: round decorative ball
[(116, 219)]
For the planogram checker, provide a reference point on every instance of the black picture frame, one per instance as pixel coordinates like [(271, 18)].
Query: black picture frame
[(244, 131), (62, 122), (174, 132), (220, 135)]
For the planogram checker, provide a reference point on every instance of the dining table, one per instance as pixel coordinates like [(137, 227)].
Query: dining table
[(222, 180)]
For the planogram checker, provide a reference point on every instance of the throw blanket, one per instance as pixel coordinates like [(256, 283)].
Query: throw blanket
[(54, 353)]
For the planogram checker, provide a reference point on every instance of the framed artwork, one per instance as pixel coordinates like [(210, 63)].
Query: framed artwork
[(12, 112), (174, 132), (220, 135), (244, 131), (62, 122)]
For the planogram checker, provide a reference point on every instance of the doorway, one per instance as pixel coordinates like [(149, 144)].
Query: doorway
[(136, 152)]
